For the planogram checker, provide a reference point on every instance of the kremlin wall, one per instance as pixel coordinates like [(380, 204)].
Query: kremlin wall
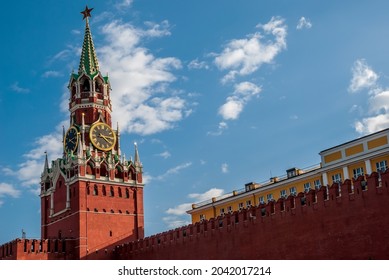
[(346, 221), (92, 198)]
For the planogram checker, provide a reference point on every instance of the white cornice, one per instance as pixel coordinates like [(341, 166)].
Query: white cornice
[(131, 183), (90, 105)]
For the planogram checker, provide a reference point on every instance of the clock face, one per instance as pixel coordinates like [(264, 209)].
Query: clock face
[(71, 140), (102, 136)]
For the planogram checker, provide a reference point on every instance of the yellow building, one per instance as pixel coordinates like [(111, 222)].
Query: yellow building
[(346, 161)]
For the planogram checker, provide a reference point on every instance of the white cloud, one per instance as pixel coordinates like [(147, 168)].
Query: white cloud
[(372, 124), (8, 190), (28, 172), (180, 209), (50, 143), (171, 171), (354, 108), (363, 76), (63, 55), (49, 74), (164, 154), (175, 222), (244, 56), (304, 23), (213, 192), (246, 89), (235, 103), (231, 109), (224, 168), (124, 4), (137, 77), (156, 29), (379, 102), (377, 112), (196, 64), (16, 88), (221, 128)]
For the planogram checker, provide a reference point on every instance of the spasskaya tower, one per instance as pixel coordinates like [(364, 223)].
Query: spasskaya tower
[(93, 195)]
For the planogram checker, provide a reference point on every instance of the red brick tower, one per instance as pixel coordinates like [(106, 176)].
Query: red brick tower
[(92, 195)]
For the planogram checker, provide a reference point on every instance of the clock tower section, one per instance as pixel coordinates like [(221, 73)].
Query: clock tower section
[(92, 197)]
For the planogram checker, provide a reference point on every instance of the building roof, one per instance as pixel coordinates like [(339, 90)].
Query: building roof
[(354, 140)]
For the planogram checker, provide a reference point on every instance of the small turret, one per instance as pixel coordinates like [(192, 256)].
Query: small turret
[(46, 167), (136, 156)]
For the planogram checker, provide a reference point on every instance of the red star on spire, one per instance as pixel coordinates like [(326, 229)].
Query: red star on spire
[(86, 12)]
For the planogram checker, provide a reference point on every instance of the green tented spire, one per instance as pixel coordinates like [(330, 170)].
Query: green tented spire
[(88, 60)]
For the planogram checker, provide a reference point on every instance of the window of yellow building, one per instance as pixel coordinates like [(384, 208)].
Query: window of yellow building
[(307, 187), (240, 206), (293, 191), (317, 184), (358, 172), (381, 166), (248, 203), (283, 193), (202, 217), (262, 200), (270, 197), (337, 178)]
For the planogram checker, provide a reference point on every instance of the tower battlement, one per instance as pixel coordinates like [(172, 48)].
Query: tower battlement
[(37, 249)]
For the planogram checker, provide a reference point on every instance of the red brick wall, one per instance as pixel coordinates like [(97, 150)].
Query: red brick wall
[(32, 249), (347, 226)]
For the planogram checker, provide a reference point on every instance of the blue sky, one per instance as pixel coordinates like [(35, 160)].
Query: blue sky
[(215, 93)]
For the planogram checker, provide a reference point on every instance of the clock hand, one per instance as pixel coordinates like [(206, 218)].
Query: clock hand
[(105, 138)]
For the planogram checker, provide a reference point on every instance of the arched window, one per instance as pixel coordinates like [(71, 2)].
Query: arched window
[(99, 85), (111, 192), (119, 172), (47, 184), (103, 170), (56, 246), (120, 192), (104, 191), (95, 190), (85, 85), (127, 193), (87, 190)]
